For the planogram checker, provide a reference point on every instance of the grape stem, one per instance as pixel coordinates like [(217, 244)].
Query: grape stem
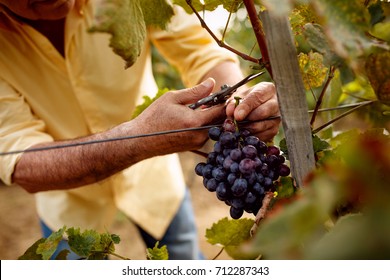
[(262, 212)]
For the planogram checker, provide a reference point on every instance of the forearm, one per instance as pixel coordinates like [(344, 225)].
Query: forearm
[(71, 167), (227, 72)]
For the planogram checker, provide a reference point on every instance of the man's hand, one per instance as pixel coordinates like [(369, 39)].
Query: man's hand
[(258, 103)]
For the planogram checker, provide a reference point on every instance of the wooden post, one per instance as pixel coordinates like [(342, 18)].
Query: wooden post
[(291, 94)]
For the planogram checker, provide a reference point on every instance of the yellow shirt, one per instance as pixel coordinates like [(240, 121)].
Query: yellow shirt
[(46, 97)]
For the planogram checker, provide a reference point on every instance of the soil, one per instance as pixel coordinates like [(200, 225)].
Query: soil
[(20, 227)]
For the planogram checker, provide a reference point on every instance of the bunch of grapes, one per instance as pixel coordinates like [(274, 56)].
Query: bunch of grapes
[(241, 168)]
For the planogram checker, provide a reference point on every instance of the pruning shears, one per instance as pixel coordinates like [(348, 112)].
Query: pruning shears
[(223, 95)]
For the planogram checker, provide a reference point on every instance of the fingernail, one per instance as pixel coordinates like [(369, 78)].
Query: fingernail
[(208, 83)]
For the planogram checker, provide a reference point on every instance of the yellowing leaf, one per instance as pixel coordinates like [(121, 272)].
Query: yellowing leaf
[(157, 253), (229, 232)]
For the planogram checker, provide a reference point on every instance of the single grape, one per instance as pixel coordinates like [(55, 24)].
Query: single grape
[(218, 147), (206, 171), (236, 213), (249, 151), (227, 162), (222, 191), (211, 184), (284, 170), (231, 178), (237, 202), (235, 154), (234, 167), (228, 125), (199, 168), (220, 159), (219, 173), (247, 166), (273, 150), (240, 187), (227, 139), (214, 133), (268, 183)]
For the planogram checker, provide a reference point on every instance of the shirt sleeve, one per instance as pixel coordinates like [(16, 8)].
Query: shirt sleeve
[(189, 47), (19, 129)]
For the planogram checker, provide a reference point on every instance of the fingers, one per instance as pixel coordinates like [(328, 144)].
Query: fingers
[(265, 130), (258, 103), (191, 95)]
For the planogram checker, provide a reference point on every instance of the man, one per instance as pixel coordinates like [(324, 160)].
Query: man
[(61, 85)]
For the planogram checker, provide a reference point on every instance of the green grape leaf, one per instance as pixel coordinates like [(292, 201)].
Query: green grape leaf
[(82, 243), (319, 145), (378, 72), (47, 248), (285, 187), (316, 38), (209, 5), (346, 24), (229, 232), (124, 21), (157, 253), (147, 101), (156, 12), (31, 252)]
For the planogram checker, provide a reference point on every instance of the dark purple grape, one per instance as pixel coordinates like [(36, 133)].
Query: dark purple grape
[(227, 162), (231, 178), (236, 213), (252, 140), (273, 150), (219, 174), (227, 139), (220, 159), (264, 169), (273, 174), (245, 133), (234, 167), (211, 185), (214, 133), (247, 166), (237, 202), (199, 168), (240, 187), (251, 178), (206, 171), (218, 147), (249, 151), (282, 159), (272, 160), (235, 154), (211, 158), (250, 198), (260, 178), (258, 189), (226, 152), (268, 183), (222, 191), (284, 170), (228, 125), (262, 147)]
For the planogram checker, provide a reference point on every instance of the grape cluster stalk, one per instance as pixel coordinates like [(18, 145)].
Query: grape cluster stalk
[(241, 168)]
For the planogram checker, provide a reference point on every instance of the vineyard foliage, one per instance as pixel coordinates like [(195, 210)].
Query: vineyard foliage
[(343, 51)]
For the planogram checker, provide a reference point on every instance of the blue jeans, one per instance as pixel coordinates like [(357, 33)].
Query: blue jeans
[(181, 237)]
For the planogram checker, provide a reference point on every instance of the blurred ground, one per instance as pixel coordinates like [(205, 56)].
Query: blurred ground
[(19, 226)]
